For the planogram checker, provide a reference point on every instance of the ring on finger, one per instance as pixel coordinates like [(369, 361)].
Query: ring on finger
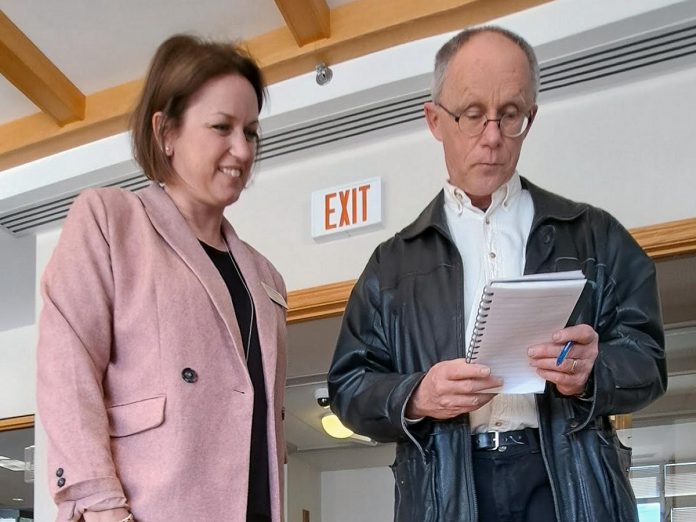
[(571, 371)]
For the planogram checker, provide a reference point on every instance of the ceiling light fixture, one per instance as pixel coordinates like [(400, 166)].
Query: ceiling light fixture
[(329, 421), (334, 427)]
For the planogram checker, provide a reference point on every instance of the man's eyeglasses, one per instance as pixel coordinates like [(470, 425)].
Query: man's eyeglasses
[(473, 124)]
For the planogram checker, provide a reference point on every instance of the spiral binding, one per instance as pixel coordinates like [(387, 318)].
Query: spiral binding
[(480, 324)]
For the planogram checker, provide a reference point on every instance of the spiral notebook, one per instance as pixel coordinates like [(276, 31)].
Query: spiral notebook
[(514, 314)]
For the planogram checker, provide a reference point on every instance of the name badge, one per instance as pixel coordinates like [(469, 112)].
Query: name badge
[(274, 295)]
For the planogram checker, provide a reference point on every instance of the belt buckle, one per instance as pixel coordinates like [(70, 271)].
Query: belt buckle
[(496, 441)]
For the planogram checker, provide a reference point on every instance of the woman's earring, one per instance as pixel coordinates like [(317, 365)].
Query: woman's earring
[(167, 150)]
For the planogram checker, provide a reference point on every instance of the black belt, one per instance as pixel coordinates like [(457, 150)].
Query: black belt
[(492, 440)]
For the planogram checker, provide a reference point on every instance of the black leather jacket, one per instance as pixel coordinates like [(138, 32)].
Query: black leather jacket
[(406, 314)]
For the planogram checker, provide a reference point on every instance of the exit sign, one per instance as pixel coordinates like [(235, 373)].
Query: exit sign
[(346, 207)]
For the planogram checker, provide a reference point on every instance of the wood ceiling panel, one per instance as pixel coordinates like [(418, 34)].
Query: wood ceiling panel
[(357, 28), (28, 69), (308, 20)]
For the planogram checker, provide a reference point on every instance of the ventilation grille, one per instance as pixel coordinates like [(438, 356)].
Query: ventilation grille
[(23, 221), (647, 50), (336, 128)]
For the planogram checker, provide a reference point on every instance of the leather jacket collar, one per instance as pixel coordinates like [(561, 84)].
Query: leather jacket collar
[(546, 206)]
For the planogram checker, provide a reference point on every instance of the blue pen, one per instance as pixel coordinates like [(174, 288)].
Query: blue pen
[(564, 352)]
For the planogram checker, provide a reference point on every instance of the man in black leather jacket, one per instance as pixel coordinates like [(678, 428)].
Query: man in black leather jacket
[(398, 373)]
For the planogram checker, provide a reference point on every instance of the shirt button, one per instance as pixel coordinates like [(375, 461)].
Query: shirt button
[(59, 472), (498, 424), (189, 375), (61, 482), (491, 255), (488, 221)]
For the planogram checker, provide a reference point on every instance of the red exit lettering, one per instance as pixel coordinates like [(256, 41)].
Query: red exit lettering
[(351, 209)]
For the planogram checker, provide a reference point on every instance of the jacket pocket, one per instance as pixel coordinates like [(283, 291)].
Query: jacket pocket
[(136, 417), (415, 490), (616, 460)]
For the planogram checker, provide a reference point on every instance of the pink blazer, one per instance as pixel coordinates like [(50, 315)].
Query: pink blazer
[(131, 301)]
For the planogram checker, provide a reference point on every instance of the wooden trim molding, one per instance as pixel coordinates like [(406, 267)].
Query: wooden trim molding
[(28, 69), (675, 238), (318, 302), (17, 423), (357, 29)]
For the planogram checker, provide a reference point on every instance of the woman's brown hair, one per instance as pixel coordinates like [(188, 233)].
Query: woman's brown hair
[(180, 67)]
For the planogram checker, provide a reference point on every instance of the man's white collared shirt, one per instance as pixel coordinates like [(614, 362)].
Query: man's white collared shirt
[(492, 245)]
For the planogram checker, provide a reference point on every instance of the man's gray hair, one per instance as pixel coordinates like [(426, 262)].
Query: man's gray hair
[(447, 51)]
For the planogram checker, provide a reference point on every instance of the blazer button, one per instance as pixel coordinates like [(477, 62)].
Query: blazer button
[(189, 375), (59, 472), (61, 482)]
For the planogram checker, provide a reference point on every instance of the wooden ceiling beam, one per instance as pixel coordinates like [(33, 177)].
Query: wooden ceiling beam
[(362, 27), (28, 69), (308, 20), (357, 29)]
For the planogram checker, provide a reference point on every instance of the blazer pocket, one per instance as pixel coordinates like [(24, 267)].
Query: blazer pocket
[(135, 417)]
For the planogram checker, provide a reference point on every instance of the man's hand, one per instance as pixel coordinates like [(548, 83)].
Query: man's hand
[(451, 388), (571, 376)]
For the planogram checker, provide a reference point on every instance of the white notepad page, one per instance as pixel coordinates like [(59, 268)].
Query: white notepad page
[(515, 314)]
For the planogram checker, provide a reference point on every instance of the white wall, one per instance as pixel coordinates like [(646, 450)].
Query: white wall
[(357, 495), (303, 490), (17, 353), (17, 281), (628, 149), (273, 214)]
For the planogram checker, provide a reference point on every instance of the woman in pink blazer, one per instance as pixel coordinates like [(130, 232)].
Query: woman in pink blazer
[(161, 359)]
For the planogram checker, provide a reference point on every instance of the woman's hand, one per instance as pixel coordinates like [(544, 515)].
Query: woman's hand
[(110, 515)]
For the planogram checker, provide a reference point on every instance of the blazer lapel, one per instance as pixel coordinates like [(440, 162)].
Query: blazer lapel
[(172, 226), (263, 305)]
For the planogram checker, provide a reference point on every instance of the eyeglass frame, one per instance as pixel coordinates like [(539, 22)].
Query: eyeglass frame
[(457, 117)]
